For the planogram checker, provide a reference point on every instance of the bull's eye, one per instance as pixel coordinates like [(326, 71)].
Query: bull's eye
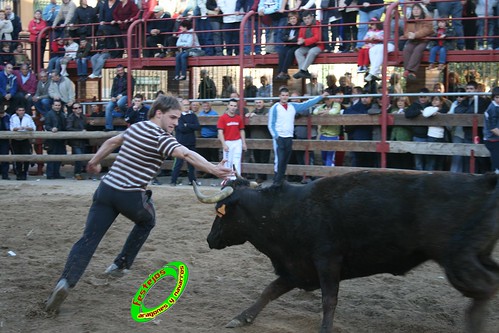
[(221, 211)]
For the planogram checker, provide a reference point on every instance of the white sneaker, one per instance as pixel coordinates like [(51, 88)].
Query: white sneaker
[(368, 78), (114, 271), (58, 296), (92, 76)]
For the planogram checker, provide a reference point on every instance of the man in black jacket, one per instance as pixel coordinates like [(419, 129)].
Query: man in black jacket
[(119, 97), (185, 132), (207, 88), (156, 29), (419, 133), (55, 121)]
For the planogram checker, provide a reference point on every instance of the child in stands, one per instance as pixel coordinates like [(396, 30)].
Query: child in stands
[(444, 42), (373, 36)]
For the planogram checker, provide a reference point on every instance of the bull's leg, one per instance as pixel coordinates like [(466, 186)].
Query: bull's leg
[(277, 288), (475, 316), (329, 276)]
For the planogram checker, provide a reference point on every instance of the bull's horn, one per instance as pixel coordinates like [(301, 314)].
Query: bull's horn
[(214, 198)]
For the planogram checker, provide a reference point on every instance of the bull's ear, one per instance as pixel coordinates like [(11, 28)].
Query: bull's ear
[(221, 211)]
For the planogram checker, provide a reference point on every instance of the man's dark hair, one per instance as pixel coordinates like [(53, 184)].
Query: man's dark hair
[(164, 104), (186, 24), (139, 96), (119, 66), (284, 89), (424, 90), (472, 83), (233, 100)]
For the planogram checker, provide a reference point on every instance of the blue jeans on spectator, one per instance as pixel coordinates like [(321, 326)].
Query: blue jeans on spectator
[(364, 18), (181, 63), (480, 25), (78, 150), (112, 113), (433, 54), (251, 29), (43, 105), (419, 159), (459, 163), (54, 64), (81, 66), (454, 9), (217, 36), (328, 156), (98, 60), (432, 160), (204, 35)]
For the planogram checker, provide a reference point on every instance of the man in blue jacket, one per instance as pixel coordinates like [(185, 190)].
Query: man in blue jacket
[(8, 89)]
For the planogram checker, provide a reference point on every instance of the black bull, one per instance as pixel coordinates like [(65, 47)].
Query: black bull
[(365, 223)]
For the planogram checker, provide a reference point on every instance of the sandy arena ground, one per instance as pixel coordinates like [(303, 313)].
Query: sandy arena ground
[(42, 219)]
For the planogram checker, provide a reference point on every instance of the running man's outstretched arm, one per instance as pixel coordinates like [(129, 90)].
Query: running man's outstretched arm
[(107, 148)]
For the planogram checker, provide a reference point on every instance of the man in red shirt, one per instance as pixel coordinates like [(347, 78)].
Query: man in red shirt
[(232, 136)]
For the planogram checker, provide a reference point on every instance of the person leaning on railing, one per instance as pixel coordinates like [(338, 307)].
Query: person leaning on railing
[(491, 130), (83, 18)]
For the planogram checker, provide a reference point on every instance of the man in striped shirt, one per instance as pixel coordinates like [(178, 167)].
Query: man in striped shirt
[(144, 146)]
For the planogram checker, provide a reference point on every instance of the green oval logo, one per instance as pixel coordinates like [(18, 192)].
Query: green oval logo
[(179, 272)]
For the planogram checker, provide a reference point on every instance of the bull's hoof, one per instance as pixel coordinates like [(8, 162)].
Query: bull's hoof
[(239, 322)]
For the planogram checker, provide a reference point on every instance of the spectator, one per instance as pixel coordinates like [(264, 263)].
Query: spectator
[(206, 88), (365, 133), (61, 89), (400, 133), (188, 45), (231, 26), (232, 136), (440, 88), (6, 57), (4, 143), (331, 15), (265, 90), (208, 131), (95, 112), (252, 29), (349, 19), (485, 8), (57, 51), (469, 24), (138, 111), (368, 10), (314, 88), (416, 31), (376, 53), (332, 88), (84, 18), (82, 56), (106, 26), (125, 13), (287, 52), (185, 132), (50, 12), (26, 86), (419, 133), (35, 26), (21, 122), (435, 133), (227, 87), (446, 9), (216, 21), (6, 27), (20, 56), (373, 36), (55, 122), (157, 29), (8, 89), (250, 90), (444, 42), (71, 50), (65, 15), (309, 40), (331, 106), (102, 53), (76, 122), (260, 132), (16, 24), (41, 98), (491, 130), (119, 97), (275, 10), (200, 21), (281, 126)]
